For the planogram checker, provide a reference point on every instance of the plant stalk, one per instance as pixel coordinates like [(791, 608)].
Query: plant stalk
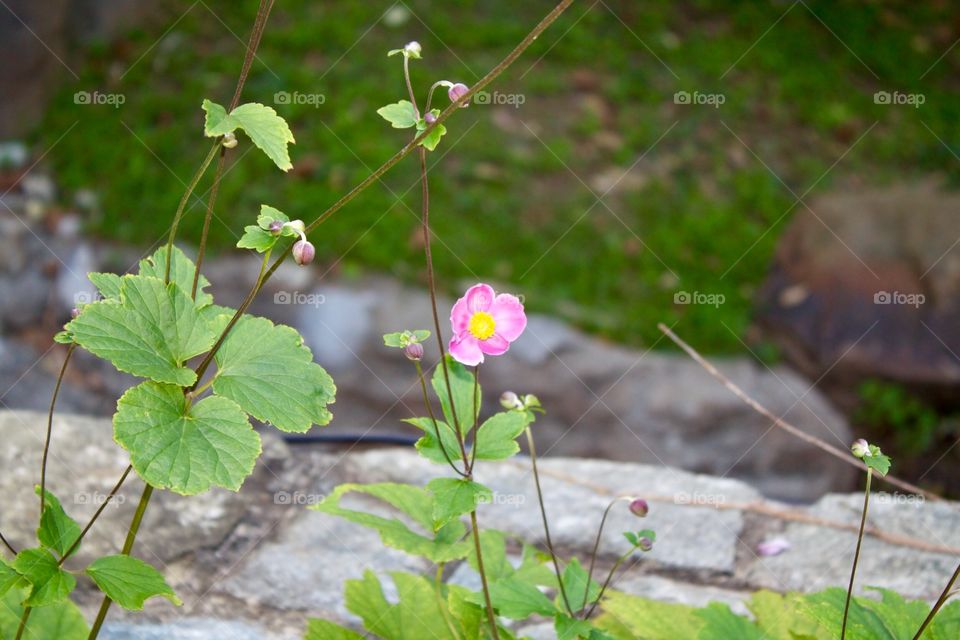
[(596, 548), (947, 593), (46, 442), (491, 616), (856, 555), (99, 511), (433, 419), (606, 583), (214, 190)]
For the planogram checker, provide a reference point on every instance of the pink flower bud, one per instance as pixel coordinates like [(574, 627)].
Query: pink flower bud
[(74, 312), (303, 252), (645, 544), (276, 227), (457, 91), (639, 507), (860, 448), (429, 118), (413, 351), (509, 400)]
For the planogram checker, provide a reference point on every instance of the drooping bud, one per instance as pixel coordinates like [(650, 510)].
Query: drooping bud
[(860, 448), (303, 252), (276, 227), (413, 351), (645, 544), (229, 140), (296, 225), (639, 507), (429, 118), (412, 49), (457, 91), (509, 400)]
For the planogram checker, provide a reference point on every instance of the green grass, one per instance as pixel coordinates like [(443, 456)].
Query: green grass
[(698, 213)]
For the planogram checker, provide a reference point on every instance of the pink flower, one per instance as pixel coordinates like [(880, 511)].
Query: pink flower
[(773, 547), (484, 323)]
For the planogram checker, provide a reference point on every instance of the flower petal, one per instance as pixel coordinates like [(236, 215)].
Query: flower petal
[(465, 349), (460, 316), (495, 345), (479, 297), (508, 313)]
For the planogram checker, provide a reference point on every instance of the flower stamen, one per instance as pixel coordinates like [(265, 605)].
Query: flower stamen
[(482, 325)]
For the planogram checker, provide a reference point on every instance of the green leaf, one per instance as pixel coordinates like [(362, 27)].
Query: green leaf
[(879, 463), (182, 447), (466, 399), (446, 543), (467, 616), (49, 584), (63, 337), (130, 581), (517, 600), (257, 239), (493, 546), (150, 332), (400, 115), (61, 621), (779, 617), (428, 446), (403, 338), (57, 530), (900, 617), (416, 616), (108, 284), (720, 623), (266, 129), (575, 584), (270, 373), (182, 269), (269, 215), (570, 628), (647, 619), (433, 138), (8, 577), (496, 437), (323, 630), (454, 497), (826, 607)]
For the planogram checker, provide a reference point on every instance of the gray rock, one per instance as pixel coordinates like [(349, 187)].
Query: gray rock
[(185, 629), (336, 323), (663, 589)]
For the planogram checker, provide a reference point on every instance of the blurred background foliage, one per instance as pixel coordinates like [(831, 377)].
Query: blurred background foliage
[(599, 197)]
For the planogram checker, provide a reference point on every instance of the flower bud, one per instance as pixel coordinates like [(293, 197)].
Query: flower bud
[(457, 91), (74, 312), (229, 140), (429, 118), (413, 351), (860, 448), (645, 544), (303, 252), (412, 49), (509, 400), (639, 507), (531, 401), (276, 227), (296, 225)]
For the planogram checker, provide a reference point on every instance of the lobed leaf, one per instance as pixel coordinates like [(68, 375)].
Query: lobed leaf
[(266, 129), (60, 621), (129, 581), (467, 395), (496, 437), (454, 497), (57, 530), (49, 584), (400, 115), (182, 270)]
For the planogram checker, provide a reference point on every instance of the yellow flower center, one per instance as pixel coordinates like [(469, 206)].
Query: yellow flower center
[(482, 325)]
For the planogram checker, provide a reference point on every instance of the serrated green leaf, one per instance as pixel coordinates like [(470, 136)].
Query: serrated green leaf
[(108, 284), (266, 129), (57, 530), (257, 239), (49, 584), (267, 370), (61, 621), (879, 463), (720, 623), (496, 437), (575, 582), (269, 215), (324, 630), (631, 537), (517, 600), (467, 616), (493, 546), (647, 619), (150, 332), (446, 543), (778, 617), (130, 581), (182, 447), (432, 139), (826, 607), (63, 337), (394, 339), (454, 497), (428, 445), (568, 628), (9, 578), (416, 616), (900, 617), (400, 115), (182, 269), (466, 398)]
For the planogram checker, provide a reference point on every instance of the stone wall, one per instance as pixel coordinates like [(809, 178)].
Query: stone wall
[(256, 564)]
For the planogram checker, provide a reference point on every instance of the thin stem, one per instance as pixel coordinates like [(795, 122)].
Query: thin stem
[(214, 189), (438, 589), (406, 76), (433, 88), (256, 33), (596, 547), (46, 442), (100, 509), (491, 617), (947, 593), (183, 205), (476, 414), (436, 428), (9, 546), (546, 524), (856, 555), (406, 150), (127, 549), (23, 622), (606, 583)]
